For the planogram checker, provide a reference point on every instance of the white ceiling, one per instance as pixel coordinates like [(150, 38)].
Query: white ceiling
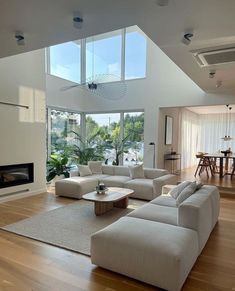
[(211, 109), (49, 22)]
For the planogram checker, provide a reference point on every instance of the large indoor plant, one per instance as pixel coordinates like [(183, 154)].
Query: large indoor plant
[(85, 150), (57, 166)]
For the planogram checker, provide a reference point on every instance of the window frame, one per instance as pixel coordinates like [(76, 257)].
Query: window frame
[(83, 122), (82, 68), (48, 64)]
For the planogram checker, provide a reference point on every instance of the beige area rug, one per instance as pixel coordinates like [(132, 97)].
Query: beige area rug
[(69, 227)]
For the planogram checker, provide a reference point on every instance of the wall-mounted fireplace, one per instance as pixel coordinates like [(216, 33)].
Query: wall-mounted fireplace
[(14, 175)]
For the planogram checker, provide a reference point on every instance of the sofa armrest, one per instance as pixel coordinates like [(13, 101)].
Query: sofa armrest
[(158, 183)]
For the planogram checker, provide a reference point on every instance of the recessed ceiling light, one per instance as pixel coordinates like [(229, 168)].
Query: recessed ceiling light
[(19, 36), (77, 20), (187, 38), (212, 74)]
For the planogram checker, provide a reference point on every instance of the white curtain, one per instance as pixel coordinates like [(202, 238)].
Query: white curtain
[(189, 133), (212, 129), (203, 133)]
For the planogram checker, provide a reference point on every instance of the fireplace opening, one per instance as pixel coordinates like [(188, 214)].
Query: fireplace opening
[(14, 175)]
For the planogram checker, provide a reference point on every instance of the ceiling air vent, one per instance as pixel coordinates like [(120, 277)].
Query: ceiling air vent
[(215, 57)]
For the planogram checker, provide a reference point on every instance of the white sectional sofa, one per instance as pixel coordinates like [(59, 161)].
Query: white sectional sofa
[(159, 242), (146, 188)]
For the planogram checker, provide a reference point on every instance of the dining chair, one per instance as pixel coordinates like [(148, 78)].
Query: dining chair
[(204, 164)]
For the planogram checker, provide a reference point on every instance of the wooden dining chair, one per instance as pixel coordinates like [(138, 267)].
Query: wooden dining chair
[(204, 164)]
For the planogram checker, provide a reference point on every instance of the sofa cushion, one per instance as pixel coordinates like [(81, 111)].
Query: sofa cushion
[(143, 188), (156, 213), (186, 192), (121, 171), (108, 170), (95, 167), (164, 200), (84, 170), (136, 171), (115, 181), (150, 173), (178, 189), (156, 253)]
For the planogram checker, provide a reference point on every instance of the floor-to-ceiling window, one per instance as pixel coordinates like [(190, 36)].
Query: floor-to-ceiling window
[(105, 129), (134, 135), (61, 128), (119, 134)]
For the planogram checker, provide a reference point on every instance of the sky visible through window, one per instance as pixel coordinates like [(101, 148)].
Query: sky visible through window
[(103, 56), (65, 61)]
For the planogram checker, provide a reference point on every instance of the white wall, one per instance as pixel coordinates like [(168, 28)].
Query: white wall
[(162, 148), (165, 86), (23, 131)]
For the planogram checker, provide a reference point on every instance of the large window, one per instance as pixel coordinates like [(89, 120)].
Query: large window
[(105, 129), (62, 125), (134, 135), (112, 56), (65, 61), (118, 137), (103, 55), (135, 53)]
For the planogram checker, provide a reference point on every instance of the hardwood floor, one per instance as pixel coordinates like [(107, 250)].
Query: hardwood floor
[(226, 184), (26, 264)]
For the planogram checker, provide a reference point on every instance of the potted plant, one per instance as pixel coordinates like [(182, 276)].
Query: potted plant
[(57, 167)]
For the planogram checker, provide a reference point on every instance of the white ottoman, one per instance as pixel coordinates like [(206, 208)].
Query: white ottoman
[(74, 187), (152, 252)]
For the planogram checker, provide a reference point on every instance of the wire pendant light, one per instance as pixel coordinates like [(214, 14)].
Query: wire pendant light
[(227, 136)]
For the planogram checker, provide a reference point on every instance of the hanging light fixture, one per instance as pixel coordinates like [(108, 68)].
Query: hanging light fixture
[(227, 136)]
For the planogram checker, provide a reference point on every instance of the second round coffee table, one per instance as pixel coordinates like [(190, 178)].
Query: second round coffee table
[(113, 197)]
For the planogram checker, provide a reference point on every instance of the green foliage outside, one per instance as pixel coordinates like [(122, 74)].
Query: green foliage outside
[(102, 142)]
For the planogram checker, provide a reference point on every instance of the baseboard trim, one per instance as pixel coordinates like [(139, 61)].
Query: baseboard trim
[(15, 196)]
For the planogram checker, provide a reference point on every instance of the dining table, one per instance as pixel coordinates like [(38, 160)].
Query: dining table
[(223, 162)]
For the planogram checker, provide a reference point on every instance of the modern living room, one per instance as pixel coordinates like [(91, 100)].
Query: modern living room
[(97, 171)]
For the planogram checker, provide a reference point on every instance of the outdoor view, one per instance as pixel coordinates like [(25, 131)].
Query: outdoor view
[(61, 130), (117, 138)]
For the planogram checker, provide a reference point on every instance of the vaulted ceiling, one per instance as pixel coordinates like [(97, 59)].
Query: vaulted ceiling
[(48, 22)]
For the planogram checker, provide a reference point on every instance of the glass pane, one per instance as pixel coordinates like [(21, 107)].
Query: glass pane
[(135, 53), (104, 130), (65, 61), (62, 125), (134, 135), (103, 56)]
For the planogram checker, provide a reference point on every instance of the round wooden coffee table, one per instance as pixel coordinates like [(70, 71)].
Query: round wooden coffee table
[(113, 197)]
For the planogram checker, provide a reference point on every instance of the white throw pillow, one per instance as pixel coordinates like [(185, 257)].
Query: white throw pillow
[(84, 170), (199, 185), (136, 171), (95, 167), (186, 193), (175, 192)]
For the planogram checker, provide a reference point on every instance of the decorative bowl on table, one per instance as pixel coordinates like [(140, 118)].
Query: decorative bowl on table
[(101, 190)]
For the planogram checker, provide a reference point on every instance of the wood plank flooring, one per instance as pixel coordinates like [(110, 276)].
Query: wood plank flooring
[(27, 265), (226, 183)]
